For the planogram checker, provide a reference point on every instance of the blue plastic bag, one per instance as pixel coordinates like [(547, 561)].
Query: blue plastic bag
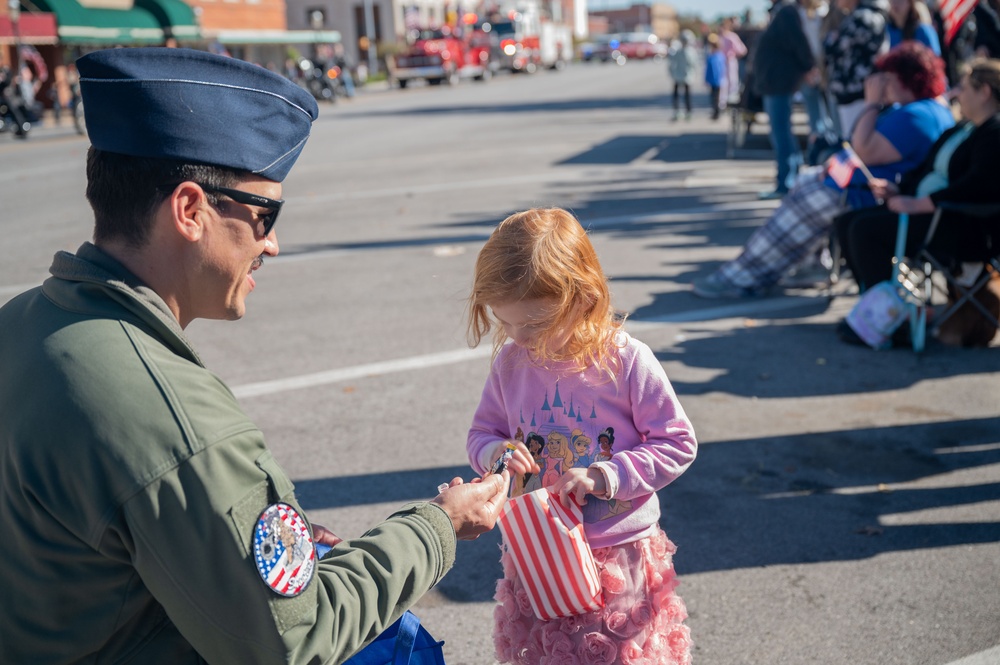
[(405, 642)]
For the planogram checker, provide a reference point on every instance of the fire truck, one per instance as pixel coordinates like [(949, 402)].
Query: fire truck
[(529, 42), (446, 54)]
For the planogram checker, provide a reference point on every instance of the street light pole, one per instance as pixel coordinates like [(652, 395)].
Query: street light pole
[(14, 12), (370, 33)]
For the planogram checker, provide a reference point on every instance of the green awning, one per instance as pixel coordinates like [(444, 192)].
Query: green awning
[(99, 25), (176, 18)]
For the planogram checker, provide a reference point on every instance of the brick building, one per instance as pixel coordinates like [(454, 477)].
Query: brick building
[(660, 19)]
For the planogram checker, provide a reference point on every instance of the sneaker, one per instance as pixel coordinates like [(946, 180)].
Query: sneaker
[(772, 195), (813, 275), (715, 286)]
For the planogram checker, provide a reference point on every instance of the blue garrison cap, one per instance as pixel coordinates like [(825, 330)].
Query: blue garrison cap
[(188, 105)]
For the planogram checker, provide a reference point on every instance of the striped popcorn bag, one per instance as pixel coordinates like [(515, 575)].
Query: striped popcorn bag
[(547, 543)]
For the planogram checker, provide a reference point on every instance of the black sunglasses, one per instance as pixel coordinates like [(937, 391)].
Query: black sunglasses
[(246, 198)]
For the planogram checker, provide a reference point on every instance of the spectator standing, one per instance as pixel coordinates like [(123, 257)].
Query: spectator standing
[(987, 18), (340, 59), (851, 51), (733, 49), (715, 74), (813, 16), (783, 60), (682, 63), (910, 19)]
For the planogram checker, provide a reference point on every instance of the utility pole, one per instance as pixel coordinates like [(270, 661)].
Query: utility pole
[(14, 12)]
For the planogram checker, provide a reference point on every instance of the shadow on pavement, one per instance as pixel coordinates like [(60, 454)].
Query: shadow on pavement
[(807, 359), (437, 107), (804, 498), (828, 496)]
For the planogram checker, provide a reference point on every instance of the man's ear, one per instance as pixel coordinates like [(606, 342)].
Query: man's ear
[(188, 207)]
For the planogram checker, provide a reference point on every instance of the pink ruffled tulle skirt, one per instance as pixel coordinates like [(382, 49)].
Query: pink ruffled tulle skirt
[(642, 622)]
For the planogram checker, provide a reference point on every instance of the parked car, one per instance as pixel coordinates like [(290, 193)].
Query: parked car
[(606, 48), (641, 45)]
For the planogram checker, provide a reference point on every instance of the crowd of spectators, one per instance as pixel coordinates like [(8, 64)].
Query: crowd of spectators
[(888, 80)]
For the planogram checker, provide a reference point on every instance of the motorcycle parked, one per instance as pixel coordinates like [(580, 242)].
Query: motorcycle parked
[(314, 79), (15, 116)]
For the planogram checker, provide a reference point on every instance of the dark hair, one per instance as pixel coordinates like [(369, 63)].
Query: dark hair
[(918, 69), (124, 191), (983, 71)]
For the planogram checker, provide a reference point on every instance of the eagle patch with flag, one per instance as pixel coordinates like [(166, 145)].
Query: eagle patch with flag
[(283, 550)]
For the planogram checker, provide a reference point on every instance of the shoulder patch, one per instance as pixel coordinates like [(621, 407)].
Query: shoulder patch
[(284, 550)]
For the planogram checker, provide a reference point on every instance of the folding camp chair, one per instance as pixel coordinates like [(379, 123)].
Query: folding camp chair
[(927, 274)]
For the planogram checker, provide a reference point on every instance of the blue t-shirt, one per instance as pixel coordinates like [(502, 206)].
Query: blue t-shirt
[(911, 129), (715, 69), (924, 34)]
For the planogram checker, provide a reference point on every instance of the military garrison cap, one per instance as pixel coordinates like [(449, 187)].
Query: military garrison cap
[(194, 106)]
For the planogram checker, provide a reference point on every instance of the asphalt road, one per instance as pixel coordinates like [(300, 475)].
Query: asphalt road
[(845, 504)]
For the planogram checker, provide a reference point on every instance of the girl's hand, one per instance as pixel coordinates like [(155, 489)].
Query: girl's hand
[(521, 461), (578, 483)]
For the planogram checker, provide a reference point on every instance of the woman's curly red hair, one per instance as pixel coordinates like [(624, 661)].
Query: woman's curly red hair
[(918, 69)]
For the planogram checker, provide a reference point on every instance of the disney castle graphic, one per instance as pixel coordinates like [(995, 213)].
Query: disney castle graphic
[(560, 436)]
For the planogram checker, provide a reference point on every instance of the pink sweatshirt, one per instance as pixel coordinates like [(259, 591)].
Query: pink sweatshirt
[(633, 429)]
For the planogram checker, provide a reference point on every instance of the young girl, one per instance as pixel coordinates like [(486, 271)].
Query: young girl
[(572, 371)]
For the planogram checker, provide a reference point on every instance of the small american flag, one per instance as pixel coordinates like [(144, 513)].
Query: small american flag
[(953, 15), (842, 165)]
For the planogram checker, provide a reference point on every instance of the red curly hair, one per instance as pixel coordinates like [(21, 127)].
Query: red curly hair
[(918, 69)]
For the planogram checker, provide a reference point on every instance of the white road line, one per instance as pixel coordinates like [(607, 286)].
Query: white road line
[(988, 657), (462, 355), (361, 371)]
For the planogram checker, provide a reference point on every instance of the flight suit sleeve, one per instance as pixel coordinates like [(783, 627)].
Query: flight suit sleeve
[(191, 534)]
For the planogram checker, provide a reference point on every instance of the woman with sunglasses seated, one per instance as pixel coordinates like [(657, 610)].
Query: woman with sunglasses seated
[(890, 141), (960, 168)]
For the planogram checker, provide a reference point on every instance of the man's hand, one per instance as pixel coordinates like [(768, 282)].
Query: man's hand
[(475, 506), (324, 536)]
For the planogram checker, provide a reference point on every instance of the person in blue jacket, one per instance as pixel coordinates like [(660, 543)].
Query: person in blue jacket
[(715, 72)]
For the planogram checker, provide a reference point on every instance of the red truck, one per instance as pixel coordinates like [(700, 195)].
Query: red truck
[(529, 43), (445, 54)]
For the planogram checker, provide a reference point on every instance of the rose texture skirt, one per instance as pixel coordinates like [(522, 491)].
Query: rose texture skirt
[(642, 622)]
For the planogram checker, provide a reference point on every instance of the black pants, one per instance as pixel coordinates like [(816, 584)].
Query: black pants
[(677, 96), (868, 240), (716, 91)]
